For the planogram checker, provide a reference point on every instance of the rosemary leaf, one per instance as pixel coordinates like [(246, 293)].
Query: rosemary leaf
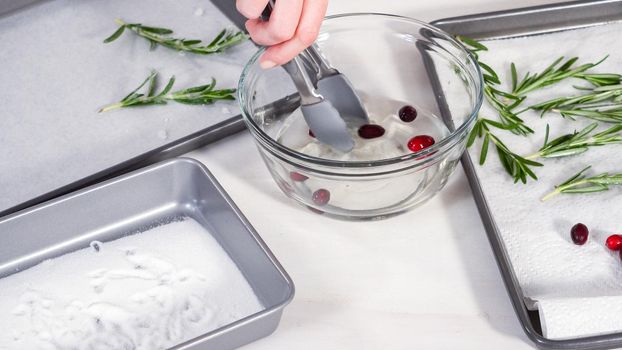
[(514, 75), (134, 94), (490, 74), (473, 44), (518, 167), (601, 79), (484, 151), (115, 35)]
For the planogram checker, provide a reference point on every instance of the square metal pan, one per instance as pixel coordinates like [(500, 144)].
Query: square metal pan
[(176, 188), (513, 23)]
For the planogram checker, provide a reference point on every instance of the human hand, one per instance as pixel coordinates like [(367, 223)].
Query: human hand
[(293, 26)]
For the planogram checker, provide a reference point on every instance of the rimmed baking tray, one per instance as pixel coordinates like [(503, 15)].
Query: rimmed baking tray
[(176, 188), (48, 143), (169, 149), (514, 23)]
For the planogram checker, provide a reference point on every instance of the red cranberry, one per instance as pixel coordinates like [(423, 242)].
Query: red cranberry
[(614, 242), (579, 233), (321, 196), (371, 131), (311, 133), (298, 177), (407, 114), (420, 142)]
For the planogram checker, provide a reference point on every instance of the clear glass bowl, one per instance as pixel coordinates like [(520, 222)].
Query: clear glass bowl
[(383, 55)]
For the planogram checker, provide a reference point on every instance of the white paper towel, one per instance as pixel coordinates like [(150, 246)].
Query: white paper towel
[(578, 289), (569, 317), (56, 73)]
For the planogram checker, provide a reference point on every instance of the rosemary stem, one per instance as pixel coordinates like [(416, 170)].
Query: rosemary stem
[(559, 189), (120, 22), (551, 195), (534, 156), (111, 107)]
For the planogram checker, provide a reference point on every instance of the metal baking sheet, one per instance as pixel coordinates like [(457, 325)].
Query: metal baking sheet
[(523, 22), (145, 135), (176, 188)]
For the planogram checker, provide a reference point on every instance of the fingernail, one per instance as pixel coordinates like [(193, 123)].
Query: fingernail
[(267, 64)]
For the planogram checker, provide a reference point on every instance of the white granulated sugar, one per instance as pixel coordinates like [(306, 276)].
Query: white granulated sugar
[(570, 283), (148, 291), (61, 138), (163, 134)]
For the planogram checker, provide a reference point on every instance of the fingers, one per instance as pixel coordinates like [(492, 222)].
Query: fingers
[(304, 35), (293, 26), (251, 8), (281, 26)]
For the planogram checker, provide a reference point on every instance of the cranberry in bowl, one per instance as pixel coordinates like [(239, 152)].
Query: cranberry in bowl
[(408, 74)]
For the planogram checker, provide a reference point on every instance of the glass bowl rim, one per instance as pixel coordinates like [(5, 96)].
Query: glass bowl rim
[(426, 153)]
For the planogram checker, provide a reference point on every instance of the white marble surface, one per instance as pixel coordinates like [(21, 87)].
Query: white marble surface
[(426, 279)]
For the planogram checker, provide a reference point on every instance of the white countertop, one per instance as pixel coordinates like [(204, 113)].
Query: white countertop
[(426, 279)]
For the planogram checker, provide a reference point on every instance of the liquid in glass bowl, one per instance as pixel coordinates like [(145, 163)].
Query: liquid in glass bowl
[(397, 163)]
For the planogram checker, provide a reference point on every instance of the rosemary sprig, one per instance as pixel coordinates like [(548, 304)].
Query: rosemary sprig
[(601, 103), (553, 74), (204, 94), (517, 166), (160, 36), (504, 103), (577, 142), (580, 183)]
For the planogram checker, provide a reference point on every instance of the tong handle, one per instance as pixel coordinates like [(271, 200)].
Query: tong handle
[(323, 68), (296, 69), (265, 15)]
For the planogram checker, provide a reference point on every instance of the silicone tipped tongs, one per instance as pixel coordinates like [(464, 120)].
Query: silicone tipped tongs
[(337, 88), (325, 100)]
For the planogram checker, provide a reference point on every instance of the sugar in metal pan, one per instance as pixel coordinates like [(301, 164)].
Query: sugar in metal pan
[(121, 207)]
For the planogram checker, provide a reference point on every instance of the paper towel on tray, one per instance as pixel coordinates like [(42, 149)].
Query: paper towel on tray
[(55, 73), (569, 317), (578, 289)]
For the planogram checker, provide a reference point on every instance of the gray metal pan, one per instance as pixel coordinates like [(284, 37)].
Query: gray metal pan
[(513, 23), (169, 150), (176, 188)]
